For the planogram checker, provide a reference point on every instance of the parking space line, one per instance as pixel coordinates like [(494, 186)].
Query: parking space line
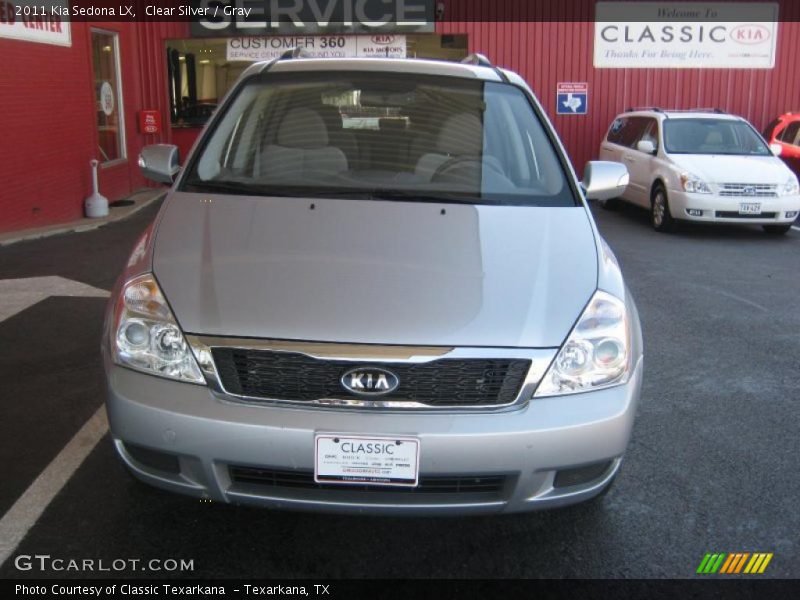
[(795, 228), (23, 515)]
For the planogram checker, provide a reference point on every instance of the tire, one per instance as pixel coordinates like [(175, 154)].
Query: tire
[(610, 204), (777, 229), (660, 217)]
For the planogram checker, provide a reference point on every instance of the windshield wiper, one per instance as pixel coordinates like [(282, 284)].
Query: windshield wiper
[(226, 186), (421, 196)]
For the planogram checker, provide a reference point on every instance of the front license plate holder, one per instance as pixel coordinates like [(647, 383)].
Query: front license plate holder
[(750, 208), (366, 460)]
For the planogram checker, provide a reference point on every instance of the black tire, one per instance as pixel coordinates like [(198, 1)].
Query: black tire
[(660, 217), (610, 204), (777, 229)]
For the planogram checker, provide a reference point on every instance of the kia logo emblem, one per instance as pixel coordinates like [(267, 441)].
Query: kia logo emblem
[(750, 190), (383, 39), (369, 381), (750, 34)]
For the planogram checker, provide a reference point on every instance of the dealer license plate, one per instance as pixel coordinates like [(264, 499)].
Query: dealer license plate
[(750, 208), (366, 460)]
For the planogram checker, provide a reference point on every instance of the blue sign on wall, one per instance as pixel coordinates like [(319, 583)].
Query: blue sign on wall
[(572, 98)]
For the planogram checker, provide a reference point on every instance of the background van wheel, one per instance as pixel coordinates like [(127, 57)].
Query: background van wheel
[(610, 204), (777, 229), (660, 216)]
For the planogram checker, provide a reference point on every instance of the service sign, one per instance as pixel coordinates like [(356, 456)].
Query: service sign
[(256, 48), (695, 35), (231, 18), (45, 22)]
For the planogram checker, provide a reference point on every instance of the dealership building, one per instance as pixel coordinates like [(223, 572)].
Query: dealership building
[(80, 84)]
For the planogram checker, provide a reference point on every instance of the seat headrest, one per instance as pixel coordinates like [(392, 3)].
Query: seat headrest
[(331, 117), (461, 134), (302, 128), (714, 138)]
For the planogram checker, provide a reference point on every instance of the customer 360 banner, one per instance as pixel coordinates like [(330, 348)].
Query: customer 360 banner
[(674, 35)]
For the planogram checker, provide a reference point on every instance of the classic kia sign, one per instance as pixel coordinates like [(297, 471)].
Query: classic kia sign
[(674, 35)]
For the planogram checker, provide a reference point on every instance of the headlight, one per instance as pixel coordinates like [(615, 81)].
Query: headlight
[(596, 354), (692, 183), (147, 337), (791, 188)]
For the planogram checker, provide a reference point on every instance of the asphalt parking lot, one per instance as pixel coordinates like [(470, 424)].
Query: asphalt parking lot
[(712, 465)]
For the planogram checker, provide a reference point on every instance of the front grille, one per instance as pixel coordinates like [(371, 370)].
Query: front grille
[(732, 214), (434, 484), (748, 190), (298, 377)]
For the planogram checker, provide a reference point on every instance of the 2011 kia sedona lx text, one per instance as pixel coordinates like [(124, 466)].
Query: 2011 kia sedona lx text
[(375, 286)]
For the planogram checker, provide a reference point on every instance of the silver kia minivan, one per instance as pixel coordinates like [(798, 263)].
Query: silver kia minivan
[(375, 286)]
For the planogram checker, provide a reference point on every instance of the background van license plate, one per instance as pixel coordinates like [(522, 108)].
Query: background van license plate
[(366, 460), (750, 208)]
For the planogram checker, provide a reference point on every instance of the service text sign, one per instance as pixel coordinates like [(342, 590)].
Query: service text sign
[(231, 18), (694, 35)]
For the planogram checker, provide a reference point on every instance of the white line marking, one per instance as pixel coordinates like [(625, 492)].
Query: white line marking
[(23, 515), (743, 300), (19, 294), (795, 228)]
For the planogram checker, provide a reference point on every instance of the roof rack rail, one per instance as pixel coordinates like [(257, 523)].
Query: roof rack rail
[(704, 109), (477, 59), (480, 60), (296, 52), (291, 53), (653, 108)]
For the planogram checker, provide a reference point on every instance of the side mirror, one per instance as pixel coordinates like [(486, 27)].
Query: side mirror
[(646, 146), (603, 180), (159, 162), (776, 149)]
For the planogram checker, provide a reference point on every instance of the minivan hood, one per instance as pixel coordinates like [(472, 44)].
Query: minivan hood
[(734, 169), (374, 272)]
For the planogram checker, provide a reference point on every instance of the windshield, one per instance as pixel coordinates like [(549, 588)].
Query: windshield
[(381, 136), (712, 136)]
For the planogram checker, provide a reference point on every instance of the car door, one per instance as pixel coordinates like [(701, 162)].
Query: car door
[(611, 148), (639, 164), (789, 139), (618, 144)]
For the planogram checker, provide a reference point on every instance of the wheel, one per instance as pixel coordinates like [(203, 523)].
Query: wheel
[(777, 229), (610, 204), (660, 216)]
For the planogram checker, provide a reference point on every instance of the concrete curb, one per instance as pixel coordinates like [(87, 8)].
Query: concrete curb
[(141, 199)]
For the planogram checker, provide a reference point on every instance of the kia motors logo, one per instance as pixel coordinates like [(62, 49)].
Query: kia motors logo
[(750, 34), (383, 40), (370, 381), (749, 190)]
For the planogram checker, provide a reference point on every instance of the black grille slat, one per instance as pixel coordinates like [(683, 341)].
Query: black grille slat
[(278, 478), (732, 214), (298, 377)]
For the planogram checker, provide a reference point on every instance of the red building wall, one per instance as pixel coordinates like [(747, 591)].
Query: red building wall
[(546, 53), (47, 120)]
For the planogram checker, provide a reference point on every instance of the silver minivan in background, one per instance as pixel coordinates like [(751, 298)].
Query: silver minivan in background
[(375, 286)]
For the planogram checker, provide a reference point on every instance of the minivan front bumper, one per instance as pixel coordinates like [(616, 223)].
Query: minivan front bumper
[(190, 439)]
